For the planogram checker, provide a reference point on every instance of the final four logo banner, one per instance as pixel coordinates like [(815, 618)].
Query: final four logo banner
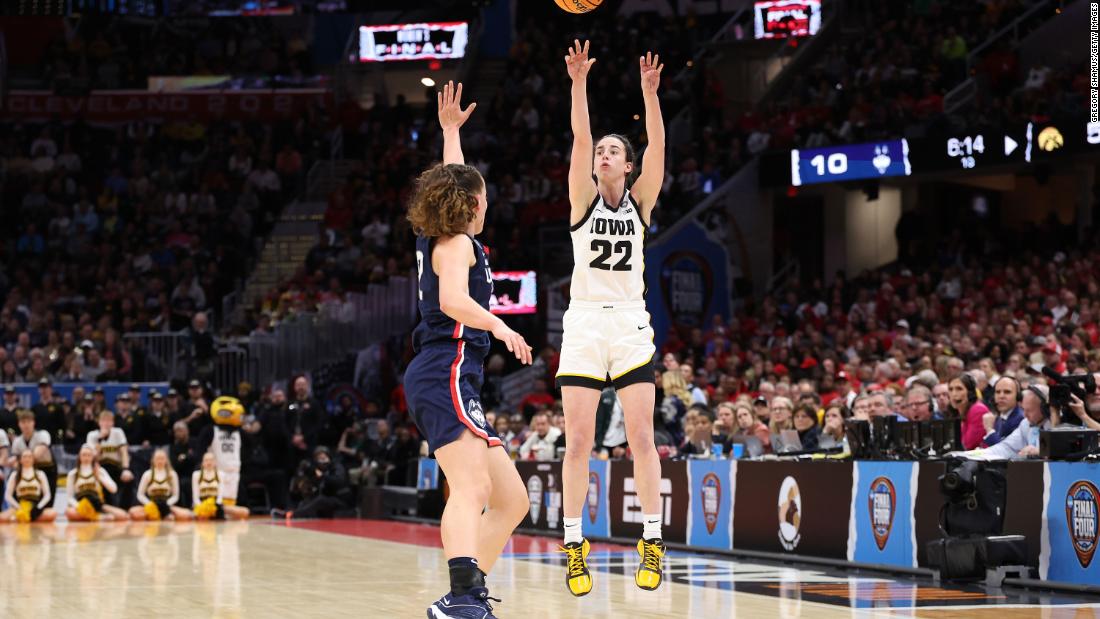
[(1071, 520)]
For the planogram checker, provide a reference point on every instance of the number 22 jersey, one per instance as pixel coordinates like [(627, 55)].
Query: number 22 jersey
[(607, 253)]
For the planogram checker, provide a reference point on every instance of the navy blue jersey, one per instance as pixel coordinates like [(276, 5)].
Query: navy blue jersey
[(437, 327)]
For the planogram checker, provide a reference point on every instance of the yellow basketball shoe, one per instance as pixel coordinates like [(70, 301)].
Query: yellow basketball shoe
[(577, 577), (649, 572)]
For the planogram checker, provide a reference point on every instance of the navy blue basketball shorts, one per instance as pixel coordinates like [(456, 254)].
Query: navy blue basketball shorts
[(443, 389)]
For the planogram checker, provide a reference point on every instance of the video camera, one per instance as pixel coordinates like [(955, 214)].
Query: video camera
[(1080, 385)]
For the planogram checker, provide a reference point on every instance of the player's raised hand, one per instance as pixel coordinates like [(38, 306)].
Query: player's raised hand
[(651, 67), (451, 114), (577, 62), (514, 341)]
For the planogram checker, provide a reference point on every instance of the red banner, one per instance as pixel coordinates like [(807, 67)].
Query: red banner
[(126, 105)]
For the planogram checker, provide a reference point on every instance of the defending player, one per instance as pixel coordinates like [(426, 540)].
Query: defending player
[(607, 336), (443, 381)]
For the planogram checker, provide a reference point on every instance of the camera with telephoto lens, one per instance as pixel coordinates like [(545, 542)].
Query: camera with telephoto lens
[(1063, 387)]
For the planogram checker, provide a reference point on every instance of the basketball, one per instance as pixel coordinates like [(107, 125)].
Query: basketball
[(578, 6)]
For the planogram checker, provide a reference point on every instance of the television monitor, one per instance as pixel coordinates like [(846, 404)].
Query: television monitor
[(514, 292), (780, 19), (424, 41)]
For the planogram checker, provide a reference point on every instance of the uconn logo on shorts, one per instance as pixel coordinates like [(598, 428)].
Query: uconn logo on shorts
[(473, 409)]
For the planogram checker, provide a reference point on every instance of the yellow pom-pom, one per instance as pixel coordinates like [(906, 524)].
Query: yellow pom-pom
[(23, 512), (206, 509), (152, 512), (86, 510), (229, 501)]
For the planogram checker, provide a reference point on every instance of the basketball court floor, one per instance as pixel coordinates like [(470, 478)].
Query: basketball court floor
[(362, 568)]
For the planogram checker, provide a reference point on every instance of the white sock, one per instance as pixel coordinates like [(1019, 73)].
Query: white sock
[(651, 527), (572, 530)]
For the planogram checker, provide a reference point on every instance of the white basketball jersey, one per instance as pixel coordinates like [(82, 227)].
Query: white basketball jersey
[(227, 449), (607, 253)]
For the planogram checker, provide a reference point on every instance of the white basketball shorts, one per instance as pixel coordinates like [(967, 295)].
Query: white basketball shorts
[(606, 343)]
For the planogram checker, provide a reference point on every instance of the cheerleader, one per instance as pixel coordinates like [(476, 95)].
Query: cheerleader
[(28, 491), (158, 492), (206, 490), (38, 443), (87, 481)]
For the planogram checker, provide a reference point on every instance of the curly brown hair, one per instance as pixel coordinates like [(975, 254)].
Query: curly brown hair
[(445, 200)]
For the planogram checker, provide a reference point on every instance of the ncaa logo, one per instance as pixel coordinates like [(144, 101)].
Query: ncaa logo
[(593, 496), (882, 500), (475, 412), (711, 491), (1081, 516), (790, 513), (534, 495)]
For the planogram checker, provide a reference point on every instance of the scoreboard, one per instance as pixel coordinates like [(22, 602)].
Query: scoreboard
[(850, 162), (970, 150)]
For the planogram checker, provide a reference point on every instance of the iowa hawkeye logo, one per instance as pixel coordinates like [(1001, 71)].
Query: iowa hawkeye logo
[(882, 503), (1081, 515)]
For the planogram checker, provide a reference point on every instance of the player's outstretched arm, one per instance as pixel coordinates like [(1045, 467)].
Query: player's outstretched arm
[(581, 188), (452, 259), (451, 119), (648, 186)]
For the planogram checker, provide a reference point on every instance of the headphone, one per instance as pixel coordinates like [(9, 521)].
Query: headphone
[(1044, 404), (1019, 388)]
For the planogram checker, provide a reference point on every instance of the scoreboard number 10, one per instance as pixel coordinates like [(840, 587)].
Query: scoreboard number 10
[(837, 163)]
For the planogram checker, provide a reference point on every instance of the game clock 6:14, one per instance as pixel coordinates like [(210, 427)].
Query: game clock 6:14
[(965, 148)]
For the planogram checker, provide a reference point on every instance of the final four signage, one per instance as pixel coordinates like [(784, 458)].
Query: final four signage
[(712, 495), (882, 503), (1081, 517), (594, 493)]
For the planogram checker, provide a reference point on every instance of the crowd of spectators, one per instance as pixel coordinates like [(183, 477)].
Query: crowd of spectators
[(139, 227), (888, 73), (109, 53), (521, 148), (965, 341)]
